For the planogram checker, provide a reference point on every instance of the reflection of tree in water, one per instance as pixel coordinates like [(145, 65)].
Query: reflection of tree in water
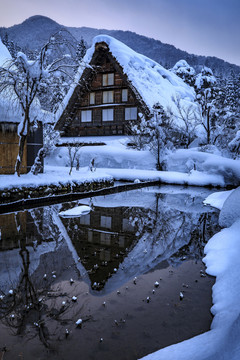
[(174, 229), (202, 231), (29, 309), (34, 307)]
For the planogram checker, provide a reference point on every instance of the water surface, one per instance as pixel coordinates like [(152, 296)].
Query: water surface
[(102, 268)]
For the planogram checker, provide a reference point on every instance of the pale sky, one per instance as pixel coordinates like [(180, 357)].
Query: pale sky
[(203, 27)]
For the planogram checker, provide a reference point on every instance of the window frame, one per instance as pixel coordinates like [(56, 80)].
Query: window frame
[(87, 112), (106, 111), (92, 98), (108, 79), (107, 93), (129, 117), (124, 98)]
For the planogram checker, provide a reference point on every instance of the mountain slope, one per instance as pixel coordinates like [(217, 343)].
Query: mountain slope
[(36, 30), (165, 54)]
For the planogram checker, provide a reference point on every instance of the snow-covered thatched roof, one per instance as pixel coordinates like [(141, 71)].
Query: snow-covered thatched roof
[(151, 81)]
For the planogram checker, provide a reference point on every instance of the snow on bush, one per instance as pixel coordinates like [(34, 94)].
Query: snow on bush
[(185, 160)]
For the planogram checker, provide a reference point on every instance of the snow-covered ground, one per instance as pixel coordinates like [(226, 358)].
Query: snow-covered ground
[(117, 161), (52, 176), (222, 261)]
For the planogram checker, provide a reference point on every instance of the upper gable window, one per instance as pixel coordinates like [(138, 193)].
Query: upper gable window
[(92, 98), (107, 97), (108, 79), (131, 113), (124, 95), (86, 115)]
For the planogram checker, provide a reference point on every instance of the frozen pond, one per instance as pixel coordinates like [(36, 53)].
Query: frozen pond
[(131, 269)]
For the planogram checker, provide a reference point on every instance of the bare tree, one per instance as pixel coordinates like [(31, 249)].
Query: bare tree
[(72, 152), (22, 79), (186, 118)]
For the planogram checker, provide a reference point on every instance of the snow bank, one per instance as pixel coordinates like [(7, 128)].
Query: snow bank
[(52, 176), (217, 199), (114, 154), (187, 159), (231, 209), (194, 178)]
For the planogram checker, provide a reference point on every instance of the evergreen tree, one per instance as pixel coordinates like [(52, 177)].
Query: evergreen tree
[(184, 71), (81, 50)]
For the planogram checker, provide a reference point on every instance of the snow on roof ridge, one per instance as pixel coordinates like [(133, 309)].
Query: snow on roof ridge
[(154, 83)]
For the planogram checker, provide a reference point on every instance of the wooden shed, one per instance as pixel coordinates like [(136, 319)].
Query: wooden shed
[(9, 143), (10, 117)]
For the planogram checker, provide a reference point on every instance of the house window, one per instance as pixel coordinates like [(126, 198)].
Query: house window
[(85, 220), (92, 98), (105, 239), (131, 113), (107, 97), (124, 95), (86, 115), (106, 222), (108, 79), (107, 115)]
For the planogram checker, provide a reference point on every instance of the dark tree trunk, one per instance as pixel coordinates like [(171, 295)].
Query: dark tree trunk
[(22, 143)]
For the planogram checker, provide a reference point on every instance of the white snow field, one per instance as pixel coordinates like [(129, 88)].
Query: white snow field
[(222, 261), (116, 161)]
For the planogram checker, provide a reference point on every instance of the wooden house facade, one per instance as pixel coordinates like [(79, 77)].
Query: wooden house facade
[(104, 102), (115, 87)]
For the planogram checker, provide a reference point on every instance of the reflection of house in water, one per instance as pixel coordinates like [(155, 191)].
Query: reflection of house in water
[(22, 229), (101, 239)]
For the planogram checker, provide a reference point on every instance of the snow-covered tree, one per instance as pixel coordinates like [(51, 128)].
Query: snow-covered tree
[(50, 139), (184, 71), (185, 122), (205, 87), (72, 153), (81, 49), (23, 80), (155, 133)]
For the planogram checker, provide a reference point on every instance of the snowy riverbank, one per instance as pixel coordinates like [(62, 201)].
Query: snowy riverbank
[(222, 261), (56, 175)]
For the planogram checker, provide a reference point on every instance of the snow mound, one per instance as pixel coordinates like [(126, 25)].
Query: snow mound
[(231, 209), (76, 211), (217, 199), (185, 160)]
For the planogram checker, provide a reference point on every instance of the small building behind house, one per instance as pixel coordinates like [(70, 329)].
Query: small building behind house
[(10, 117)]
